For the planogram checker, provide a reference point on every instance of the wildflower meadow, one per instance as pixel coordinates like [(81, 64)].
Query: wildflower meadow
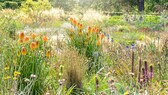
[(82, 47)]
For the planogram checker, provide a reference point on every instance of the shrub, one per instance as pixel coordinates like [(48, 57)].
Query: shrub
[(11, 4)]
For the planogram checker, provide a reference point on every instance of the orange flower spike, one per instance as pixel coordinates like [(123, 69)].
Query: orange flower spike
[(102, 35), (80, 32), (89, 29), (26, 39), (37, 44), (71, 30), (23, 51), (21, 35), (20, 41), (33, 35), (75, 22), (32, 45), (98, 43), (93, 30), (48, 53), (45, 39), (97, 30), (71, 19), (80, 26)]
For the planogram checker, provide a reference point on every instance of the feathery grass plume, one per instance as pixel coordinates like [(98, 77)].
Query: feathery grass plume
[(139, 73), (74, 64), (23, 51)]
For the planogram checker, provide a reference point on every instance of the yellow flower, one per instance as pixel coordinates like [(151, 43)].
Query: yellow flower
[(98, 43), (16, 73), (14, 78), (80, 32), (7, 77), (6, 68), (20, 41), (126, 93), (48, 53)]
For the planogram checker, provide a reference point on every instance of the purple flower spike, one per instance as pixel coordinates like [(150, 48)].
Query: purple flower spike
[(151, 72), (133, 46)]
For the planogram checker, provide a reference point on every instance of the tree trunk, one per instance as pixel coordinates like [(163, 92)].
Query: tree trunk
[(140, 5)]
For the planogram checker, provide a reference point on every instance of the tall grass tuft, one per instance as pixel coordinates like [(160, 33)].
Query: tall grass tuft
[(73, 73)]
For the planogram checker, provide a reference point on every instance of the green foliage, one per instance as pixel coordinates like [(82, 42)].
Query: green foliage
[(115, 20), (10, 24), (39, 5), (150, 21)]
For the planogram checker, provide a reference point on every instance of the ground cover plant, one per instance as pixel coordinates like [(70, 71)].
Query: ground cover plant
[(78, 51)]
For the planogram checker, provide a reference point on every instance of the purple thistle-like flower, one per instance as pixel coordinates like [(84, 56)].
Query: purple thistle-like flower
[(127, 47), (132, 46)]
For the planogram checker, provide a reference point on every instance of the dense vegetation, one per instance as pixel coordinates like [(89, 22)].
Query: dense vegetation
[(83, 47)]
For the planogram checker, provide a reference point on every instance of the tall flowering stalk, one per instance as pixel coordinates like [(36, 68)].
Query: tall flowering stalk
[(146, 71), (132, 60), (97, 83), (139, 74)]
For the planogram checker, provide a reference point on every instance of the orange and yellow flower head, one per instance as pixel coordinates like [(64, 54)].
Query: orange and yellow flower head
[(32, 45), (48, 53), (21, 35), (26, 39), (23, 51), (33, 35), (45, 39), (98, 42)]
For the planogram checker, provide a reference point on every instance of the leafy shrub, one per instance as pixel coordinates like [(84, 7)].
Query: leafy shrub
[(39, 5), (11, 4)]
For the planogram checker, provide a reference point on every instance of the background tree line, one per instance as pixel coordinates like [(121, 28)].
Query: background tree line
[(102, 5)]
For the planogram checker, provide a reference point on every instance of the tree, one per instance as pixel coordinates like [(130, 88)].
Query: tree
[(140, 5)]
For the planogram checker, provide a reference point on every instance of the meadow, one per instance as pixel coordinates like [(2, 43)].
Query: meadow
[(57, 53)]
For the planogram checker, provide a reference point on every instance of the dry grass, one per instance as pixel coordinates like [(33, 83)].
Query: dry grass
[(74, 65)]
